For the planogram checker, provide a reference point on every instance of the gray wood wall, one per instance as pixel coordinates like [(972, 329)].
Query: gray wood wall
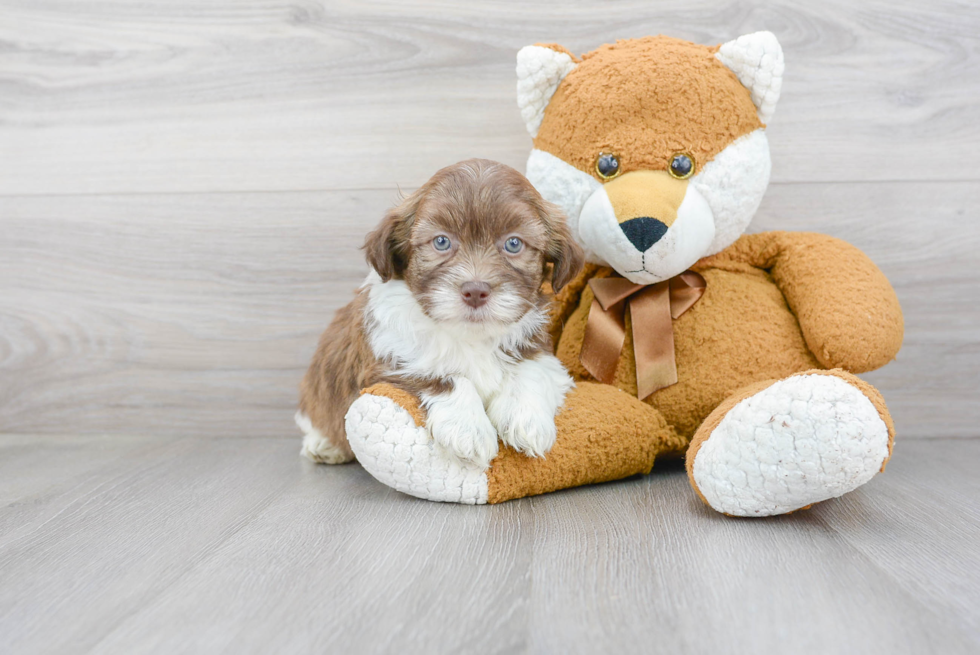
[(184, 185)]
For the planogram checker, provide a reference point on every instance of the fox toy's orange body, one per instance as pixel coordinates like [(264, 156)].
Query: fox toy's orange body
[(744, 330), (766, 406)]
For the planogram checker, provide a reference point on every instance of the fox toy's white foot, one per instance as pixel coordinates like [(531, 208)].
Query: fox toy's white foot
[(402, 455), (801, 440)]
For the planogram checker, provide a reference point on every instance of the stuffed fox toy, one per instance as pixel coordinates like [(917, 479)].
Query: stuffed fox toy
[(685, 337)]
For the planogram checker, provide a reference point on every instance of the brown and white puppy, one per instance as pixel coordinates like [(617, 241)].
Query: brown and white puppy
[(454, 313)]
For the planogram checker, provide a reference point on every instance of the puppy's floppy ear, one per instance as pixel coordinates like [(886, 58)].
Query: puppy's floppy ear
[(387, 247), (565, 255)]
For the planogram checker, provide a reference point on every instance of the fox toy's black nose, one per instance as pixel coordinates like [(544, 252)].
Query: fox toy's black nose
[(643, 232), (475, 294)]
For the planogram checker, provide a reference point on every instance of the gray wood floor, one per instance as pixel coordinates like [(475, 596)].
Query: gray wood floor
[(183, 188), (133, 545), (184, 185)]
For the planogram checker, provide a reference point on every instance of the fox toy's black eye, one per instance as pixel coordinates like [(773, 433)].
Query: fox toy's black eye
[(513, 245), (607, 166), (681, 166), (441, 243)]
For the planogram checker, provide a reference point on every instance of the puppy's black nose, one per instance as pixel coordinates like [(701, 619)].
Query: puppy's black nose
[(643, 232), (475, 294)]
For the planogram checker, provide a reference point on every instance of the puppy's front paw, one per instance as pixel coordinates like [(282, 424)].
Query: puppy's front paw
[(524, 424), (525, 412), (470, 438), (457, 422)]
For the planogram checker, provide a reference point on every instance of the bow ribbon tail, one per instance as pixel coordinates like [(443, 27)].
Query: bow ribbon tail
[(651, 317), (652, 310), (685, 290), (605, 333), (605, 330)]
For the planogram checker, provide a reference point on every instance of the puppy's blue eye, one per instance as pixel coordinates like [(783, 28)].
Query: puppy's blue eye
[(513, 245), (441, 242)]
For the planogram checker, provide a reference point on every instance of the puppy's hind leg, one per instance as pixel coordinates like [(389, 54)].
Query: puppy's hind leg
[(341, 365), (319, 447)]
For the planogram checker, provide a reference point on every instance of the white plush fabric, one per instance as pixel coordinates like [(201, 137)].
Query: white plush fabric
[(539, 72), (403, 456), (757, 60), (803, 440), (733, 184)]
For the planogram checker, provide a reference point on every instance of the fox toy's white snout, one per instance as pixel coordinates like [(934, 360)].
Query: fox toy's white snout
[(644, 248)]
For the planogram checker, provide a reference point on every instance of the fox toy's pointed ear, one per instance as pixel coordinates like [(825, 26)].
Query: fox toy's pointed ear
[(757, 61), (540, 69)]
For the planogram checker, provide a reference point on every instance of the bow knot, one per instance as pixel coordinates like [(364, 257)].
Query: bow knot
[(652, 308)]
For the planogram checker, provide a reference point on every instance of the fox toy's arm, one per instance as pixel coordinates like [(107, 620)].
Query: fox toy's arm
[(847, 310)]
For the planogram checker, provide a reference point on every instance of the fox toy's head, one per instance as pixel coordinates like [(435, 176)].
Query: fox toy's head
[(654, 147)]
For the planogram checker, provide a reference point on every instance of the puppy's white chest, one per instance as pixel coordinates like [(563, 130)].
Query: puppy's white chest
[(442, 354), (487, 369), (402, 335)]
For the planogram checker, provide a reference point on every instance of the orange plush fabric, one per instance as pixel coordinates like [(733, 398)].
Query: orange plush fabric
[(645, 100), (848, 312), (744, 328), (623, 443)]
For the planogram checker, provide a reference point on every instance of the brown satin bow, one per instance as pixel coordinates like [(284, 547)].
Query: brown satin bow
[(651, 309)]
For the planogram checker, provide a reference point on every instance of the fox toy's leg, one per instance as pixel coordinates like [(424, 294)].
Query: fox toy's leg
[(386, 431), (603, 434), (779, 446)]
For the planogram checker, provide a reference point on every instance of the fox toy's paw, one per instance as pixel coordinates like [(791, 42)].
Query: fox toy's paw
[(386, 430), (796, 442)]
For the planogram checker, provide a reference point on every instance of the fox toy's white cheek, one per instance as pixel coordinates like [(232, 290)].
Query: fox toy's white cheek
[(733, 184), (597, 233)]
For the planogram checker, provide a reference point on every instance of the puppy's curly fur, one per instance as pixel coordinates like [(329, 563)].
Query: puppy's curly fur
[(453, 313)]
